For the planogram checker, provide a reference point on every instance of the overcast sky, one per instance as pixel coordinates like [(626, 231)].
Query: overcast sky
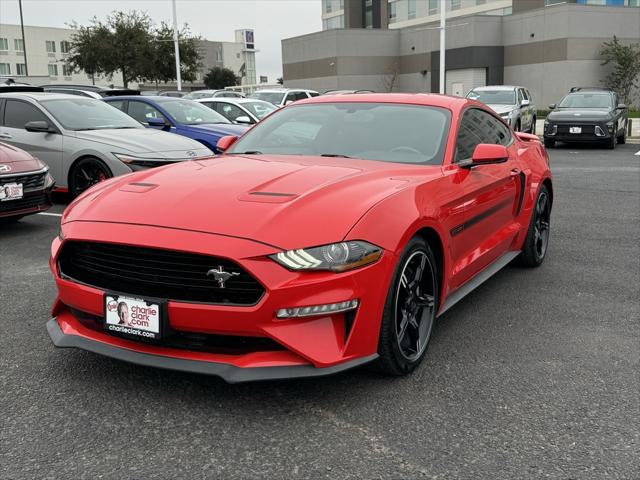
[(272, 20)]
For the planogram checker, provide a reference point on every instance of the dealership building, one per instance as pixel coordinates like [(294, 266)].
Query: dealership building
[(393, 45)]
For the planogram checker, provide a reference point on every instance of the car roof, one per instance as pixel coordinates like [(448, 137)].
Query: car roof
[(497, 87), (283, 90), (426, 99), (230, 100), (37, 96)]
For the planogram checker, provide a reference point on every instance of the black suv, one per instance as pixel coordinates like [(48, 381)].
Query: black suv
[(587, 114)]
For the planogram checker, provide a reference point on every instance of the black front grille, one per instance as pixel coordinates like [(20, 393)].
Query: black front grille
[(30, 181), (24, 203), (156, 273), (586, 129)]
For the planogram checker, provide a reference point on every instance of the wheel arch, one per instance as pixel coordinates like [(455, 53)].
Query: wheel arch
[(82, 157), (433, 239), (549, 184)]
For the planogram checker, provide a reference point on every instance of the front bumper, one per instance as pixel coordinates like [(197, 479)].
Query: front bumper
[(32, 202), (228, 372), (313, 346), (588, 133)]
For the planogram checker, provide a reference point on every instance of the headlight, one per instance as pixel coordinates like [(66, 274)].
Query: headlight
[(140, 161), (336, 257)]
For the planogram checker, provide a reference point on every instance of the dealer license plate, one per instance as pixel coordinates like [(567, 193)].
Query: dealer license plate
[(133, 316), (575, 129), (11, 191)]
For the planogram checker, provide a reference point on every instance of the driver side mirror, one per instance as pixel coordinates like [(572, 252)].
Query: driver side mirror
[(39, 126), (157, 122), (225, 143), (525, 103), (552, 106), (622, 106), (244, 119), (486, 154)]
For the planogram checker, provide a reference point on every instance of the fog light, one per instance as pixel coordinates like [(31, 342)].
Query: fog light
[(297, 312), (599, 131)]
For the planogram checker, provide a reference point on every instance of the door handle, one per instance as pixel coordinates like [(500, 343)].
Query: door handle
[(5, 135)]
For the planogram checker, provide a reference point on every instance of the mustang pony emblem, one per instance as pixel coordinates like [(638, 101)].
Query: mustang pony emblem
[(5, 168), (221, 276)]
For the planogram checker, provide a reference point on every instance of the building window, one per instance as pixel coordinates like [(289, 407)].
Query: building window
[(4, 44), (18, 44), (433, 6), (51, 46), (65, 46), (327, 6), (412, 9), (53, 70), (393, 14), (455, 4), (341, 4), (67, 71), (5, 69), (21, 69)]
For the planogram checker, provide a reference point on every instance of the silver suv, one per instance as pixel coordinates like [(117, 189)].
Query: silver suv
[(283, 96), (513, 104), (84, 141)]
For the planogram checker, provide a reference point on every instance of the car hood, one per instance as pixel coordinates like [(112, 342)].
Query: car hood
[(141, 140), (14, 160), (500, 109), (283, 201), (580, 114), (221, 129)]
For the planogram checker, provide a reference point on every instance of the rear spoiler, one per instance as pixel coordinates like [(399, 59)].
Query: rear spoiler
[(119, 92), (20, 88), (527, 137)]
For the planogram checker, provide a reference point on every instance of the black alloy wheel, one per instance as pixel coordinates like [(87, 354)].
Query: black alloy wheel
[(410, 310), (86, 173), (537, 241)]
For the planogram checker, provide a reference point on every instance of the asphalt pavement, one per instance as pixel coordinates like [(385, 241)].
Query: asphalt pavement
[(535, 375)]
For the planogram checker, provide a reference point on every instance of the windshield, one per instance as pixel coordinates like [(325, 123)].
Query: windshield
[(586, 100), (386, 132), (88, 114), (271, 97), (188, 112), (493, 97), (259, 109), (200, 94)]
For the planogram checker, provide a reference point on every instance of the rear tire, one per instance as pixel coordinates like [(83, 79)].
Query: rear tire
[(549, 143), (85, 173), (518, 126), (537, 241), (410, 310)]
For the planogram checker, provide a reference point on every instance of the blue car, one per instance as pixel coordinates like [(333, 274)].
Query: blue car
[(184, 117)]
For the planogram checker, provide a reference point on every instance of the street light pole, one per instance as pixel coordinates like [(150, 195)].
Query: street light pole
[(443, 16), (176, 45), (24, 43)]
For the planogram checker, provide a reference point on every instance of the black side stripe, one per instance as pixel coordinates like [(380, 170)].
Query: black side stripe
[(523, 185), (478, 218)]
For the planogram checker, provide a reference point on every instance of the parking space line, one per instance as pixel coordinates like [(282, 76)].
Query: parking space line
[(50, 214), (638, 153)]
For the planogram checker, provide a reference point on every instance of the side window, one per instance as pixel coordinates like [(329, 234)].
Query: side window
[(142, 112), (17, 113), (314, 94), (476, 127), (120, 105), (301, 95), (520, 96), (229, 111), (525, 92), (291, 97)]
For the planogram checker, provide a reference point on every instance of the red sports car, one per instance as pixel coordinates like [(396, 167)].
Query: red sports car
[(330, 235), (25, 184)]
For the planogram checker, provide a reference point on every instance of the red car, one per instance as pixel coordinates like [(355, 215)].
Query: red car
[(330, 235), (25, 184)]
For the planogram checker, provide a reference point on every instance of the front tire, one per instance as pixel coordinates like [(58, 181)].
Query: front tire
[(622, 139), (549, 143), (410, 310), (537, 241), (611, 143), (86, 173)]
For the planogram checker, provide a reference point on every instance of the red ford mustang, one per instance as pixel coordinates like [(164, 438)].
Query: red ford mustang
[(331, 235), (25, 184)]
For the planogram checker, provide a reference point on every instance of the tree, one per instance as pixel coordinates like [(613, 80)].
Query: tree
[(86, 49), (220, 77), (625, 60), (129, 43), (162, 63), (280, 81), (390, 78)]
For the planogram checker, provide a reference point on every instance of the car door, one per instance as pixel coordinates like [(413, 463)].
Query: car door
[(46, 146), (492, 193), (230, 111)]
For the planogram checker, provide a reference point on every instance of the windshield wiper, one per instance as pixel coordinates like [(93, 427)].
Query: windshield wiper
[(334, 155), (250, 152)]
